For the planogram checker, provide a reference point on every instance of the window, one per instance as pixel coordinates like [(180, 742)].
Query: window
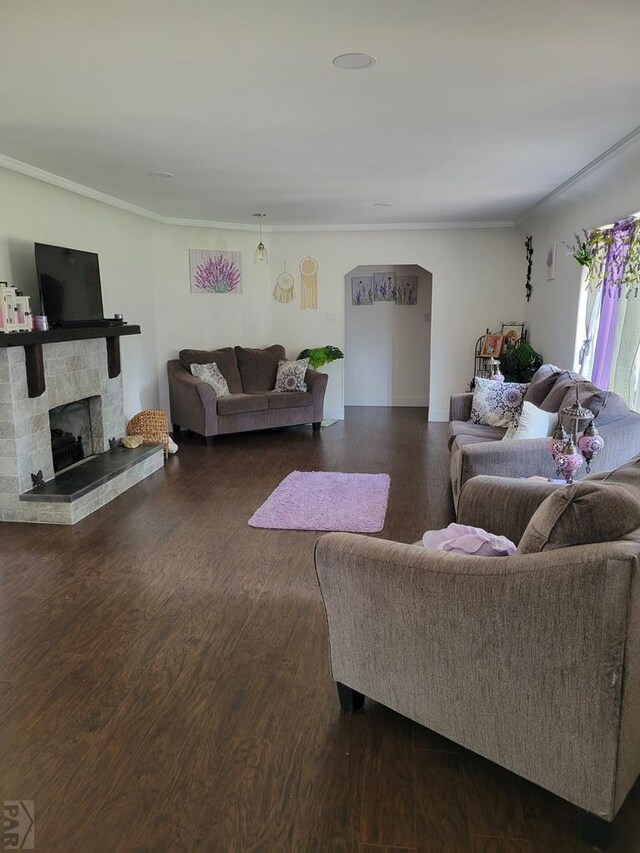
[(610, 311)]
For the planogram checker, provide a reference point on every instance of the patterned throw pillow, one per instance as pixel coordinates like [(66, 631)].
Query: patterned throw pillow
[(290, 376), (497, 403), (210, 373)]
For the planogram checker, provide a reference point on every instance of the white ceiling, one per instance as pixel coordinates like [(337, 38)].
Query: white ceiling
[(474, 111)]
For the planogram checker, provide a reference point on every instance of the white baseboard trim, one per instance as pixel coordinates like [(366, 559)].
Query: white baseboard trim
[(439, 416)]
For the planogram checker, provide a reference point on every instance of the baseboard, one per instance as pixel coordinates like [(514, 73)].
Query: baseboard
[(438, 416)]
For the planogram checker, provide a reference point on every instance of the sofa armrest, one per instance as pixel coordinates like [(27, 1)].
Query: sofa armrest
[(192, 401), (502, 505), (460, 407), (527, 457), (519, 659), (317, 382)]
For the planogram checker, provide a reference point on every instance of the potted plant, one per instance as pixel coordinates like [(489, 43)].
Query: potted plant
[(519, 362), (319, 356)]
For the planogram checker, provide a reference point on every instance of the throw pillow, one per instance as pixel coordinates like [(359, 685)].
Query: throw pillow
[(290, 375), (581, 514), (225, 358), (532, 423), (496, 403), (210, 373), (463, 539)]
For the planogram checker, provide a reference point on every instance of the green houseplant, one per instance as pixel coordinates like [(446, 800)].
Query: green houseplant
[(519, 362), (319, 356)]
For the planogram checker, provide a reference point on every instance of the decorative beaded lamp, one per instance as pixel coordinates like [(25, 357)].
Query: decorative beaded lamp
[(564, 446)]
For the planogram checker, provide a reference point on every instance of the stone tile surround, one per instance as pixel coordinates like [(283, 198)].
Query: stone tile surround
[(74, 370)]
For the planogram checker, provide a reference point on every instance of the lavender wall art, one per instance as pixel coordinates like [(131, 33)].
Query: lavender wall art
[(362, 290), (406, 290), (384, 286), (215, 271)]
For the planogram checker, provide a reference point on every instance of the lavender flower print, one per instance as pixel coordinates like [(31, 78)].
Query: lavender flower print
[(215, 271)]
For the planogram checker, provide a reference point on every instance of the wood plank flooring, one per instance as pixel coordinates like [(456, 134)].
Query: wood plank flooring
[(165, 684)]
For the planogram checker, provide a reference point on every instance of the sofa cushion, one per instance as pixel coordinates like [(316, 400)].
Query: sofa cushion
[(613, 408), (258, 367), (237, 404), (563, 384), (496, 403), (225, 358), (581, 514), (627, 475), (482, 432), (287, 399), (541, 383)]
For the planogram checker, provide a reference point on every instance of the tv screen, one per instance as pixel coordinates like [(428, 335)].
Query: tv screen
[(69, 282)]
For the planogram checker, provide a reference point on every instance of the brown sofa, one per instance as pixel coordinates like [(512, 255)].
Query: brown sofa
[(532, 661), (252, 403), (477, 449)]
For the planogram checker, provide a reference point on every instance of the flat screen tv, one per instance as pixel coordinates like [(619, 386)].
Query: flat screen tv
[(69, 282)]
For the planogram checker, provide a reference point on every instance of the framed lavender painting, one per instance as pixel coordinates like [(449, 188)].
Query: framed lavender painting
[(215, 271), (406, 290), (384, 286), (362, 290)]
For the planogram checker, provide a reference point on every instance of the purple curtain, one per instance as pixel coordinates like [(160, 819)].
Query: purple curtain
[(621, 237)]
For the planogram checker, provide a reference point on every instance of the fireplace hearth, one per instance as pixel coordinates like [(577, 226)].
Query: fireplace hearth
[(61, 428)]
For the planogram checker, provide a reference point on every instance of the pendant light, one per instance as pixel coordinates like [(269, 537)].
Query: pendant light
[(261, 255)]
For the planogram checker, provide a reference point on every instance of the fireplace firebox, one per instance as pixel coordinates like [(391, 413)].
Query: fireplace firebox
[(71, 436)]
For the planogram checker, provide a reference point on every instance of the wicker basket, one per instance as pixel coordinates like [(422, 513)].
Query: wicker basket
[(152, 426)]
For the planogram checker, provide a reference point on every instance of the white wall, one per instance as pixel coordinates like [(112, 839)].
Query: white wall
[(206, 320), (32, 211), (608, 193), (477, 281), (387, 346)]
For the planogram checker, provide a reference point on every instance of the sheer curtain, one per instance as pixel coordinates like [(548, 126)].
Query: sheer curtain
[(611, 351)]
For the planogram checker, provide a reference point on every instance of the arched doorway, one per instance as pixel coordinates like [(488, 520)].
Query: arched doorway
[(387, 336)]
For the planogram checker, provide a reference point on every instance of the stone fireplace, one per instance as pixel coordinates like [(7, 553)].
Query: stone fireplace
[(81, 400)]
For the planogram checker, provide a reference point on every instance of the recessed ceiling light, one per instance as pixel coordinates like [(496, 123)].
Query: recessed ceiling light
[(354, 61), (161, 174), (382, 204)]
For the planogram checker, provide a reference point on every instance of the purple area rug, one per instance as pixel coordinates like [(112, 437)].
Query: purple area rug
[(324, 500)]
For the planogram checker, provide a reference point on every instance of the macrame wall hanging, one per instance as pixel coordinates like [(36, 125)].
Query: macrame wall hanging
[(309, 283), (284, 290)]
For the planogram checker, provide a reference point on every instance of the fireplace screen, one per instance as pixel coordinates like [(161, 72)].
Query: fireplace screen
[(71, 439)]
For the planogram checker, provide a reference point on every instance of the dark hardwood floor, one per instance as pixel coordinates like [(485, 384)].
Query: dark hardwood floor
[(165, 678)]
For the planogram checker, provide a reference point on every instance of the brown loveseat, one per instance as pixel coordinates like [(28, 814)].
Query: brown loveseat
[(532, 661), (477, 449), (251, 404)]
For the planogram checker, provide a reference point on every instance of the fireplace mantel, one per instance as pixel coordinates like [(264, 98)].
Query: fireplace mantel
[(33, 341)]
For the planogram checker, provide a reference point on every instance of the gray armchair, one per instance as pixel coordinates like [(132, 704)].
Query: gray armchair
[(532, 661)]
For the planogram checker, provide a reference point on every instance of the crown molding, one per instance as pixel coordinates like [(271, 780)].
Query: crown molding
[(79, 189), (30, 171), (630, 138)]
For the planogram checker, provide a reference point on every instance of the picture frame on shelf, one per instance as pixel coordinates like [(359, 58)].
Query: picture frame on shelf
[(512, 333), (492, 345)]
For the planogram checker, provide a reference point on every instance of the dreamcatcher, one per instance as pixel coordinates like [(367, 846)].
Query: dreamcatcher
[(309, 283), (284, 290)]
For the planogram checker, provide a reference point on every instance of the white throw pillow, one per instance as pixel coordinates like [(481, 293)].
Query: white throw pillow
[(496, 403), (533, 423), (211, 374)]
